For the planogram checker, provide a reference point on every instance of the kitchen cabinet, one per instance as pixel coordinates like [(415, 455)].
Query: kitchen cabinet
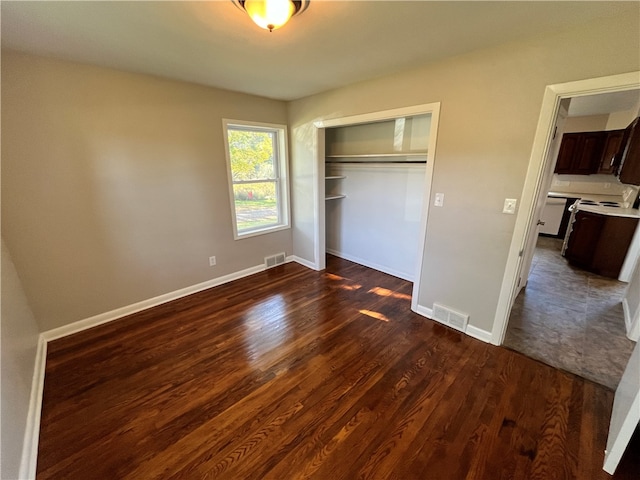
[(599, 243), (580, 153), (629, 172), (611, 153)]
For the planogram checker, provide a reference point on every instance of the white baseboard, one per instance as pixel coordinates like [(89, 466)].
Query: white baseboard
[(29, 458), (303, 262), (106, 317), (424, 311), (631, 322), (478, 333), (403, 275), (627, 315), (472, 331)]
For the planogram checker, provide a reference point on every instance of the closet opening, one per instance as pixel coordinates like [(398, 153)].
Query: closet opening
[(374, 182), (374, 178)]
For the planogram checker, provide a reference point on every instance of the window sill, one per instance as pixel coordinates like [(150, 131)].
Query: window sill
[(261, 231)]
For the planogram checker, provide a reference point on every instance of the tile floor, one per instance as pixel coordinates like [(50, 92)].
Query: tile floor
[(570, 319)]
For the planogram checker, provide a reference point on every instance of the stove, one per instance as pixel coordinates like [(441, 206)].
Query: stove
[(600, 204)]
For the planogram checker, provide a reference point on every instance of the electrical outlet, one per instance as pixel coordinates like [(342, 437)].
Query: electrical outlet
[(212, 261), (509, 206), (560, 183), (607, 185), (439, 200)]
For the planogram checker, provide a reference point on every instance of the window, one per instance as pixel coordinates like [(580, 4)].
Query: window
[(257, 167)]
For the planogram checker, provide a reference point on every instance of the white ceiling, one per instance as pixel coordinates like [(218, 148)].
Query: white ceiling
[(604, 103), (332, 44)]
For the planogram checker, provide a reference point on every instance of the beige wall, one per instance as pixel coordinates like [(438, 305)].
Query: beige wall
[(19, 343), (114, 185), (620, 120), (589, 123), (490, 103)]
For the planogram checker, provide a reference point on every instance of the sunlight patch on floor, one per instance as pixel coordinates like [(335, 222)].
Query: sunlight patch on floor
[(384, 292), (376, 315)]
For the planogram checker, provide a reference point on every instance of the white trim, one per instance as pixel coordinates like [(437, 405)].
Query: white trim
[(319, 195), (107, 317), (625, 413), (478, 333), (544, 133), (613, 456), (426, 200), (631, 321), (375, 266), (424, 311), (377, 116), (627, 315), (472, 331), (303, 262), (632, 258), (29, 458)]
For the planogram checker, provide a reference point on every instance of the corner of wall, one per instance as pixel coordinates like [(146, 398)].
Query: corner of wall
[(23, 357)]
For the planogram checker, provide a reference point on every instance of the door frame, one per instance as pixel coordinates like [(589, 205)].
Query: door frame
[(432, 109), (553, 95), (545, 185)]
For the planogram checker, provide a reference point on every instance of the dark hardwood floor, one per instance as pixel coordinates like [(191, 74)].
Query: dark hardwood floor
[(292, 373)]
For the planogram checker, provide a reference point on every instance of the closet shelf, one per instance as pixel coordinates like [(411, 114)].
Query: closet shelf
[(335, 177), (334, 197), (378, 155), (380, 158), (373, 162)]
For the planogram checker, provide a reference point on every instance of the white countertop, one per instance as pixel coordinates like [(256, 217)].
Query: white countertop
[(611, 211)]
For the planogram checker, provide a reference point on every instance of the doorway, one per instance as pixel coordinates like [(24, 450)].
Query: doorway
[(563, 315), (537, 185), (626, 412)]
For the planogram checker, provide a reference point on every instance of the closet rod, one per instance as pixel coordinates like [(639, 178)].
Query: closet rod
[(374, 163)]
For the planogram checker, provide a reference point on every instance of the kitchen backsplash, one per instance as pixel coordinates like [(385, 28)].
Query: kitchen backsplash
[(594, 185)]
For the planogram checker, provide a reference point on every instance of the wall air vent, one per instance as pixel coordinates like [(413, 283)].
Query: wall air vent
[(273, 260), (450, 317)]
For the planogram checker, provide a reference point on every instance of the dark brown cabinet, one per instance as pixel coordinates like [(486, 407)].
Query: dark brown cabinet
[(611, 153), (629, 172), (599, 243), (580, 153)]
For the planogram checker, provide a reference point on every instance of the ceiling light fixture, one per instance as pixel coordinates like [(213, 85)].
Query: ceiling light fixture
[(271, 14)]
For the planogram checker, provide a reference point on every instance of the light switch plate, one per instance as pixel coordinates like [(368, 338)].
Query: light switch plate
[(439, 200), (510, 206)]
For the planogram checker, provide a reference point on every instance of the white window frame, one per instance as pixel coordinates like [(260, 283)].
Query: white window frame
[(281, 178)]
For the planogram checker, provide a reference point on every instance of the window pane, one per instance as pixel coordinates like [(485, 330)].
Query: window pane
[(256, 205), (251, 154)]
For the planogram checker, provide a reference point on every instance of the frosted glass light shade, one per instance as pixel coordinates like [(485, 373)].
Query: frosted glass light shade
[(269, 14)]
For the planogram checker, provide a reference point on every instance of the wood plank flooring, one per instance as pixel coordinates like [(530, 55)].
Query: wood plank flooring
[(293, 374)]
